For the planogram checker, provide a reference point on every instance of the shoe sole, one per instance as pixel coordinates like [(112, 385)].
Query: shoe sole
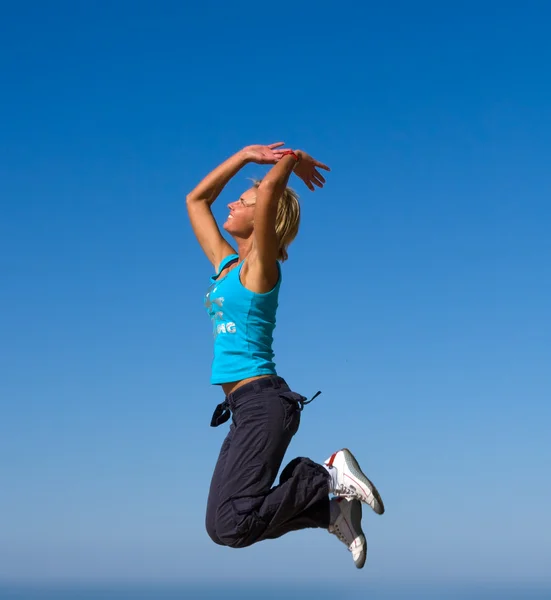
[(352, 464)]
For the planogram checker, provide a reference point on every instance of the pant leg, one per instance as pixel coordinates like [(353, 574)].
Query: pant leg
[(249, 508), (299, 471), (214, 491)]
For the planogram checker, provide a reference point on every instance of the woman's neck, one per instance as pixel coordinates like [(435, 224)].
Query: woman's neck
[(244, 247)]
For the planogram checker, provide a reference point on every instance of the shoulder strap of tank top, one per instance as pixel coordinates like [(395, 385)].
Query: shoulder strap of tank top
[(226, 261)]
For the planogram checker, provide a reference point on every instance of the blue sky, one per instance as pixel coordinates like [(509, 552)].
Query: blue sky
[(416, 297)]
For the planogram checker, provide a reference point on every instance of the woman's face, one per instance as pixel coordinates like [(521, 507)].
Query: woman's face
[(241, 218)]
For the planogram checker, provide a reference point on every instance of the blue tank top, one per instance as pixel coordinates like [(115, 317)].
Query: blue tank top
[(243, 323)]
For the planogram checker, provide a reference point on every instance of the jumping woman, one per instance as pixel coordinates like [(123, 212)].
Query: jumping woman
[(244, 506)]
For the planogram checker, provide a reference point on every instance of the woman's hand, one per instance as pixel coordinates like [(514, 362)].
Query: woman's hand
[(307, 170), (264, 155)]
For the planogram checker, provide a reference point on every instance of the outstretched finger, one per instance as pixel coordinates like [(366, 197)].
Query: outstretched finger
[(317, 182), (319, 176), (276, 145), (321, 165)]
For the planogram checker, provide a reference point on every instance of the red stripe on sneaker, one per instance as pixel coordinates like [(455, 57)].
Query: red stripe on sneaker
[(367, 491), (330, 461)]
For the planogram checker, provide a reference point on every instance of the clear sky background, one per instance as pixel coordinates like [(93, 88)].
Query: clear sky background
[(417, 296)]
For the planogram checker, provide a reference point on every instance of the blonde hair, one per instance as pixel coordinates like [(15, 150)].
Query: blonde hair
[(287, 220)]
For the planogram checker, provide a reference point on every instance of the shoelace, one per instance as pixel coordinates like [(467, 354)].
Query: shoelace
[(343, 490), (337, 531)]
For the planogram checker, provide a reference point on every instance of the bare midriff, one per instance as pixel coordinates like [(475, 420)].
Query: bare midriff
[(234, 385)]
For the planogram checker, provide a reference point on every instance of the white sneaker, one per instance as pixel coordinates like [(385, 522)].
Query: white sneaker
[(349, 480), (346, 524)]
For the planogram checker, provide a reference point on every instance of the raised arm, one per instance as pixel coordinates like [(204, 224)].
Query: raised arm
[(266, 243), (199, 200), (199, 203), (269, 192)]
